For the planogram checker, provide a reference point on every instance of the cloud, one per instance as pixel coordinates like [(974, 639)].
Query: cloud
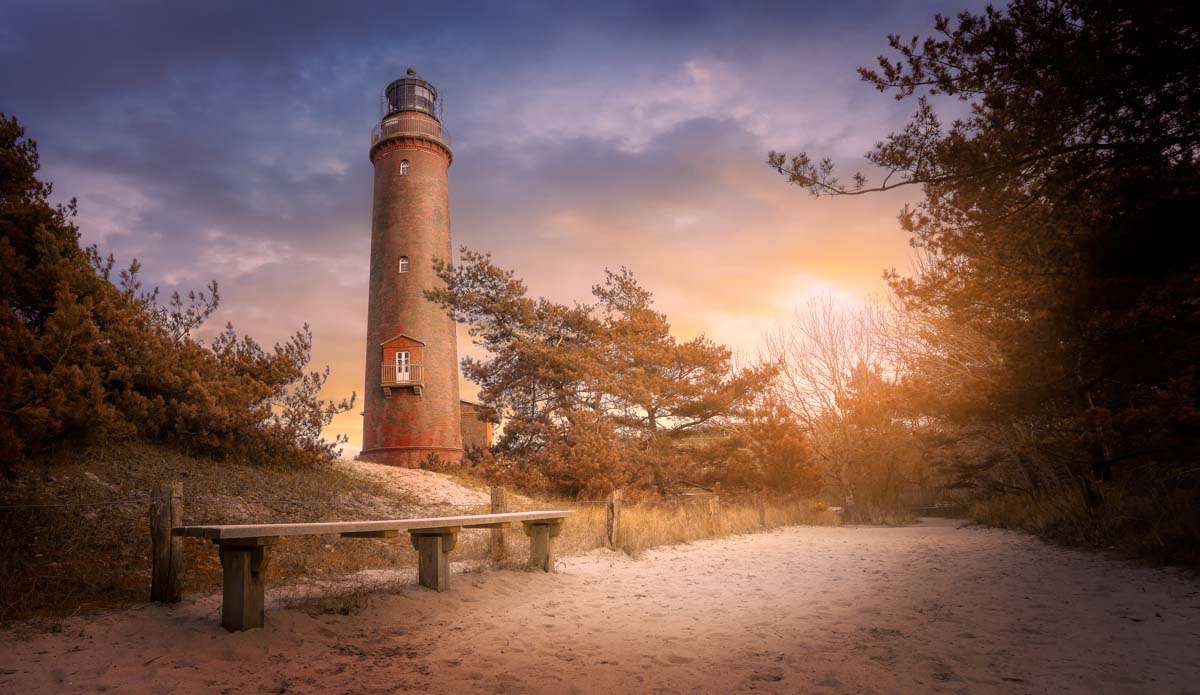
[(628, 111), (109, 205)]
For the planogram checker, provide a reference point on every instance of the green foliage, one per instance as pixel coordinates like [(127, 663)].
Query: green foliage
[(87, 359), (1055, 307), (593, 396)]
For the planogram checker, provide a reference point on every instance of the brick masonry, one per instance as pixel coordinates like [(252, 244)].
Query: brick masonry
[(478, 431), (411, 217)]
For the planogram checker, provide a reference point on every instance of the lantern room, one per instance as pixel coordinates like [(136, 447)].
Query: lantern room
[(411, 93)]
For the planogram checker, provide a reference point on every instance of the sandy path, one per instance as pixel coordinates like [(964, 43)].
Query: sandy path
[(855, 609)]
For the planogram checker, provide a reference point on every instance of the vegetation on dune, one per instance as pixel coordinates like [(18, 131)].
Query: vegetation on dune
[(837, 381), (86, 359), (597, 396), (652, 524), (601, 396), (1044, 351)]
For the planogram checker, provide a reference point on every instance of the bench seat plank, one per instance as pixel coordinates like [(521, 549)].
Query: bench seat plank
[(231, 531)]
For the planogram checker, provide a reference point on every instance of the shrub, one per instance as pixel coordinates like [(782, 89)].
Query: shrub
[(769, 450), (1161, 528), (582, 458)]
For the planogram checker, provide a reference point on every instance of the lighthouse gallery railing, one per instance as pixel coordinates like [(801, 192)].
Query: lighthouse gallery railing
[(397, 127)]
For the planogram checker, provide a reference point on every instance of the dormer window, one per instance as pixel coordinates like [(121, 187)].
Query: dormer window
[(404, 264), (404, 167)]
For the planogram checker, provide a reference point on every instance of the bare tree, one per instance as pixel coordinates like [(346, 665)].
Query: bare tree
[(838, 374)]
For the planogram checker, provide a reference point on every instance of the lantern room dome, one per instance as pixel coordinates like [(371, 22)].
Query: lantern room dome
[(411, 93)]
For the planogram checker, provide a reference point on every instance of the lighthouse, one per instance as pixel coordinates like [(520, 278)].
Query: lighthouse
[(411, 400)]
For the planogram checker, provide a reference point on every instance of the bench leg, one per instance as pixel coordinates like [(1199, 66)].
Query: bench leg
[(541, 543), (433, 556), (242, 598)]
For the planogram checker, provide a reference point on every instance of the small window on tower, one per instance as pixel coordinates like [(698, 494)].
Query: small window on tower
[(404, 264), (404, 168)]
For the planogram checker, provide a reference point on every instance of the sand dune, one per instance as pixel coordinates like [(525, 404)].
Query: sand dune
[(429, 487), (924, 608)]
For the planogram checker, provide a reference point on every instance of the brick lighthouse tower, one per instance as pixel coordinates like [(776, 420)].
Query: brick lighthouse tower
[(411, 397)]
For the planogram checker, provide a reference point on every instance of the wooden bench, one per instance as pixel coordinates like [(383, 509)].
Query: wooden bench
[(245, 550)]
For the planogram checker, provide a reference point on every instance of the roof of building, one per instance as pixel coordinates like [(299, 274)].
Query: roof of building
[(404, 335)]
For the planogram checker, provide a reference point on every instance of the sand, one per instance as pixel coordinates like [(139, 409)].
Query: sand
[(925, 608), (431, 488)]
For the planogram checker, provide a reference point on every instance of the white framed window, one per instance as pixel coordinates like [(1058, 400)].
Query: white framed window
[(403, 365), (404, 167), (404, 264)]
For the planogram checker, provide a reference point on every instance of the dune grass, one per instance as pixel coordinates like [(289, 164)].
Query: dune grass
[(647, 525)]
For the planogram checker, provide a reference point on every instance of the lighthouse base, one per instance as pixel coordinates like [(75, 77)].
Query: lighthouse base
[(411, 457)]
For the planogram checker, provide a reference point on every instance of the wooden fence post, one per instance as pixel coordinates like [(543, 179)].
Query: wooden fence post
[(612, 526), (499, 505), (166, 551), (762, 511)]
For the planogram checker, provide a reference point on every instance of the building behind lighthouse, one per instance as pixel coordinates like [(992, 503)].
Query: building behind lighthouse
[(412, 408)]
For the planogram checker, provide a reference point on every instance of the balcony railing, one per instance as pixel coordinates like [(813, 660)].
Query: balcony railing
[(393, 377), (399, 127)]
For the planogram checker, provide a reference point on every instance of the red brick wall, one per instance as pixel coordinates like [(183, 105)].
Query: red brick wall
[(411, 217), (477, 431)]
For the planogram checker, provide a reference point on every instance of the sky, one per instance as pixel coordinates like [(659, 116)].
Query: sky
[(228, 141)]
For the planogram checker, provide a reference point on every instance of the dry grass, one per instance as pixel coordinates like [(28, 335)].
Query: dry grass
[(63, 560), (650, 524), (646, 526), (1160, 528)]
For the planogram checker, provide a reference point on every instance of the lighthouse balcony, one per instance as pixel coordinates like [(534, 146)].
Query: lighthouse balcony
[(398, 127), (401, 377)]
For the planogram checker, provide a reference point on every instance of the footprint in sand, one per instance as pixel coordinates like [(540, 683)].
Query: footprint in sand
[(771, 675)]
